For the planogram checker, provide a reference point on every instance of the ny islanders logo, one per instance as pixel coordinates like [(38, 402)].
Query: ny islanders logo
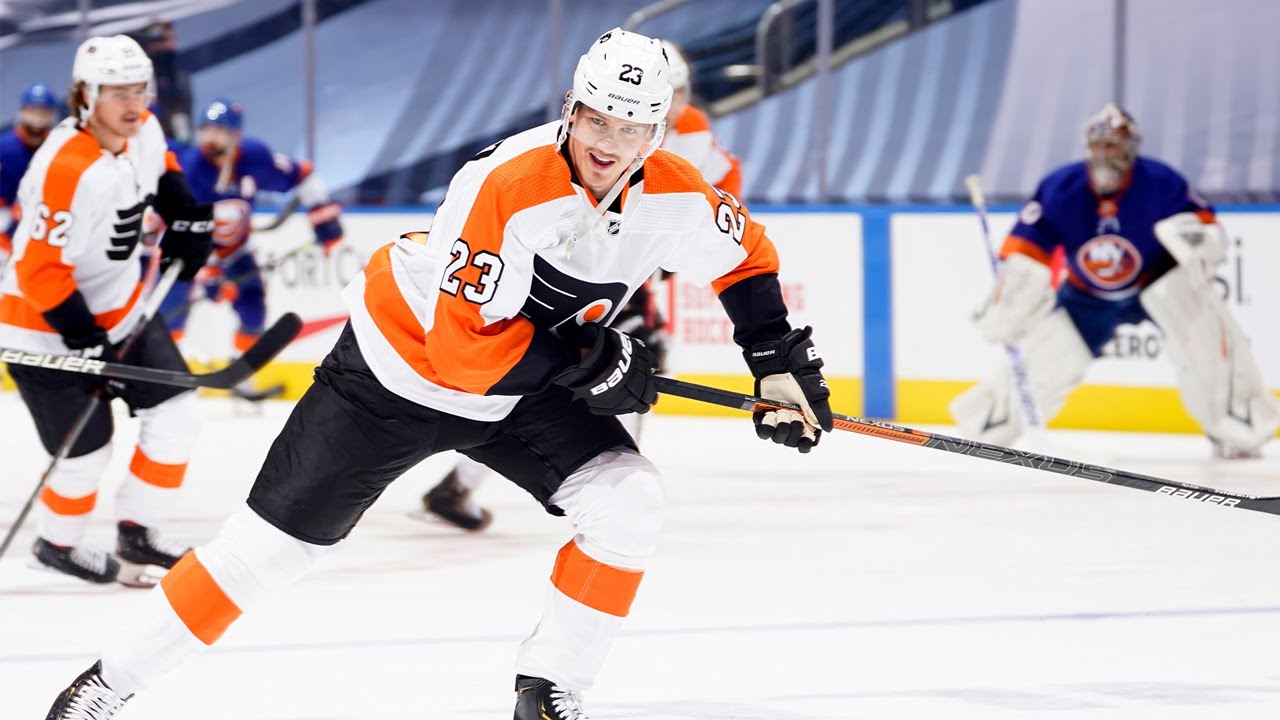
[(1109, 261)]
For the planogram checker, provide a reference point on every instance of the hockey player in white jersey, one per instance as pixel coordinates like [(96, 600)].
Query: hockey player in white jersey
[(490, 336), (73, 287)]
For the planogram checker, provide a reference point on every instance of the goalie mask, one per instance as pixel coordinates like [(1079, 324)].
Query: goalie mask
[(625, 79), (1111, 138), (114, 60)]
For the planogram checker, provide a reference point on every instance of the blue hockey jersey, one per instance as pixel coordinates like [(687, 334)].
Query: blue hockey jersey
[(15, 156), (254, 168), (1109, 242)]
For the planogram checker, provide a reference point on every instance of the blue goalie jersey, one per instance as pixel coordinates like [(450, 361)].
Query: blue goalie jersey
[(1109, 242)]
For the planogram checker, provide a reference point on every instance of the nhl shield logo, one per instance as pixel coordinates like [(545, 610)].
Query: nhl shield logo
[(615, 227)]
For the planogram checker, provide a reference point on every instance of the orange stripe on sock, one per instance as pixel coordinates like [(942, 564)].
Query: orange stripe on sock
[(244, 341), (68, 506), (201, 605), (603, 587), (155, 473)]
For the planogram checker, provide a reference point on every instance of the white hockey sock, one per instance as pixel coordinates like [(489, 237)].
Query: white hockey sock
[(201, 596)]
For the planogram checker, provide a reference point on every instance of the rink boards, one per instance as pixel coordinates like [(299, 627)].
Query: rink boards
[(889, 291)]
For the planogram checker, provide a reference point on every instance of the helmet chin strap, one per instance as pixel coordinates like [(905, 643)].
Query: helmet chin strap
[(597, 212)]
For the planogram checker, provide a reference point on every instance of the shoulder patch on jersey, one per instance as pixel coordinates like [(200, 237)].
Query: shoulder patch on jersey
[(1031, 213)]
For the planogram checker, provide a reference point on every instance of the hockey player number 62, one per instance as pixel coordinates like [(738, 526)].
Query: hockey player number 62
[(490, 272), (57, 234)]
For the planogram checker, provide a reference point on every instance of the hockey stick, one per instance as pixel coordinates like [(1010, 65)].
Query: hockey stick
[(1020, 379), (149, 310), (285, 213), (960, 446), (280, 334)]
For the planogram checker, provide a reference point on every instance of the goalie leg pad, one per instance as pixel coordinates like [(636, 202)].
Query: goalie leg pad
[(1218, 376), (1055, 358)]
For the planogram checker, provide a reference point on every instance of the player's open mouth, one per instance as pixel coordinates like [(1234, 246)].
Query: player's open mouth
[(600, 163)]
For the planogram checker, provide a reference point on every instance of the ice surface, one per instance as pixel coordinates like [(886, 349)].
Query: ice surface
[(867, 580)]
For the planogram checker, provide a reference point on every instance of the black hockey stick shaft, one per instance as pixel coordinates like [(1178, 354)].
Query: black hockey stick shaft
[(149, 311), (998, 453), (285, 213), (280, 334)]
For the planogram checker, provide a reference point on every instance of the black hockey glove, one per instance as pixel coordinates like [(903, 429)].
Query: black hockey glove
[(188, 238), (616, 376), (790, 370)]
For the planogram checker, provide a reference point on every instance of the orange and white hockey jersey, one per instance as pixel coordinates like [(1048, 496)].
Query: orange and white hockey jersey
[(82, 211), (691, 138), (471, 318)]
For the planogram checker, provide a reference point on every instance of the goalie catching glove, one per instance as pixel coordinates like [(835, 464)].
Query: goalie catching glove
[(789, 370), (615, 377)]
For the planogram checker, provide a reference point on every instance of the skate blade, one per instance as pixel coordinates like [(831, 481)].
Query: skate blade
[(139, 576), (431, 518)]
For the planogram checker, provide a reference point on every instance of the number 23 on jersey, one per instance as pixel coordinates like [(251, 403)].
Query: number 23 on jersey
[(483, 290)]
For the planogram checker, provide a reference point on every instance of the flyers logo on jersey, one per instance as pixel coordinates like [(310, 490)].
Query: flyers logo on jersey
[(1109, 261), (556, 299)]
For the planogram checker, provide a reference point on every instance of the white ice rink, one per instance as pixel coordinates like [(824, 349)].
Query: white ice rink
[(866, 580)]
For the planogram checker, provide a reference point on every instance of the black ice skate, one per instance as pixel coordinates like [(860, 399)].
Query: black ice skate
[(140, 545), (539, 699), (86, 563), (88, 698), (451, 502)]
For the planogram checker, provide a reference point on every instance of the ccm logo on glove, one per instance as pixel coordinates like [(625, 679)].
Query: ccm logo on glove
[(195, 226)]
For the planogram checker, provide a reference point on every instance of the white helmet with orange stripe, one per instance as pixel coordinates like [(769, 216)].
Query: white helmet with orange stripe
[(110, 60), (624, 75)]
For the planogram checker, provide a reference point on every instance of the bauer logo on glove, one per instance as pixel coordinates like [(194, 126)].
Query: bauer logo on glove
[(620, 371)]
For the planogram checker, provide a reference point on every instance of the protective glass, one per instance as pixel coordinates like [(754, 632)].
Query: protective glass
[(613, 136)]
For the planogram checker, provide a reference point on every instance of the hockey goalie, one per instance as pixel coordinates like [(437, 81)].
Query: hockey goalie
[(1139, 245)]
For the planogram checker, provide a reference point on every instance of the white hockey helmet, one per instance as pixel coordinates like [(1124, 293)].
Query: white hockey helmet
[(1111, 141), (679, 67), (624, 75), (110, 60)]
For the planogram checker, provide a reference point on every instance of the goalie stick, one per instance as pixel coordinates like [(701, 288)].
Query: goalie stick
[(280, 334), (1020, 379), (960, 446)]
